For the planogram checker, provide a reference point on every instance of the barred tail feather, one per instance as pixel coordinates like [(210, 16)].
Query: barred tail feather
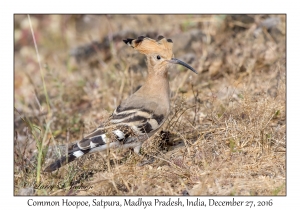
[(77, 150), (60, 162), (120, 136)]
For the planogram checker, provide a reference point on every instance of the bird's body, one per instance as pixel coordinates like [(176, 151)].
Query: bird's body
[(139, 116)]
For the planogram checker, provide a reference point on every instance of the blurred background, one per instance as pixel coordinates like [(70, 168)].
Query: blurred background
[(86, 70)]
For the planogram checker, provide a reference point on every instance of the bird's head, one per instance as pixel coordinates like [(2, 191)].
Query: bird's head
[(159, 53)]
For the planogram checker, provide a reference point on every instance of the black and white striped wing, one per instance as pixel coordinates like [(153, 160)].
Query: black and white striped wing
[(141, 120), (99, 140), (128, 126)]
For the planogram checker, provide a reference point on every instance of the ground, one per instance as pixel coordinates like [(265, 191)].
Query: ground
[(226, 134)]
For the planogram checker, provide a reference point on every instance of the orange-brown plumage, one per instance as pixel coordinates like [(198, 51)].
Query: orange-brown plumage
[(140, 115), (148, 46)]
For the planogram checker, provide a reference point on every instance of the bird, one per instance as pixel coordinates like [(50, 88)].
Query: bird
[(139, 116)]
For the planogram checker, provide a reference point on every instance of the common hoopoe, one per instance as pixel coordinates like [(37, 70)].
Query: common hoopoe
[(139, 116)]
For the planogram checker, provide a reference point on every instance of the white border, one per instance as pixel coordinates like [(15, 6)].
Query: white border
[(152, 6)]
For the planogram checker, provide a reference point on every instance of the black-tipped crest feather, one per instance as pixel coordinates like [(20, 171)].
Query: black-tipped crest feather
[(160, 37), (140, 38), (128, 41)]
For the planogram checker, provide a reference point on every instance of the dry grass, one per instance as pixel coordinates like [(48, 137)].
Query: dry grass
[(226, 134)]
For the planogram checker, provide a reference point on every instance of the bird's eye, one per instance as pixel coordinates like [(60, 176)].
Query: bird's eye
[(158, 57)]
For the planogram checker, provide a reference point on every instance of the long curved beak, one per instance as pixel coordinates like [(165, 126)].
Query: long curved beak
[(176, 61)]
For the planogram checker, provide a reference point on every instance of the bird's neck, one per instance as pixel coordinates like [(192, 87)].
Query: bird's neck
[(156, 86)]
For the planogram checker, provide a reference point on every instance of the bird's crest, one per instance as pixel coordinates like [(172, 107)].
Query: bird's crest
[(145, 45)]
